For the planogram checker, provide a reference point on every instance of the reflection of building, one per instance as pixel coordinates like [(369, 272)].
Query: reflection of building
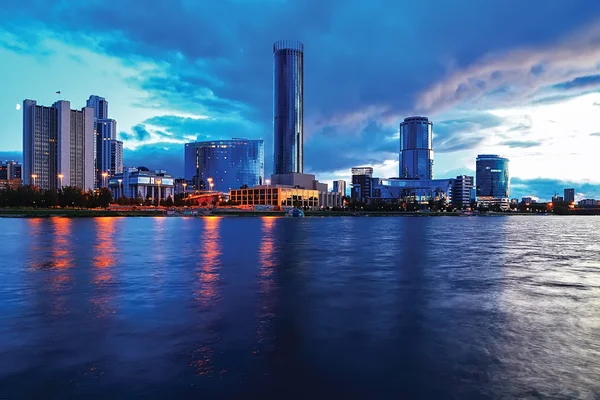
[(492, 176), (462, 191), (142, 183), (231, 164), (361, 183), (416, 151), (10, 175), (569, 195), (339, 186), (288, 107), (58, 141), (108, 151)]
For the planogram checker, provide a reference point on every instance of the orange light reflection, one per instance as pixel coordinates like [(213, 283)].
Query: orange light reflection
[(61, 262), (208, 276), (104, 260)]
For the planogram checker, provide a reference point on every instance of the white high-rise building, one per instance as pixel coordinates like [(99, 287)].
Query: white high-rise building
[(339, 186), (58, 145)]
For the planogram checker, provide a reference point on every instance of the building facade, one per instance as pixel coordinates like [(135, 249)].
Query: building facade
[(108, 151), (10, 175), (143, 184), (411, 190), (228, 164), (361, 183), (462, 191), (288, 107), (58, 145), (416, 151), (100, 106), (492, 177), (339, 186), (569, 195)]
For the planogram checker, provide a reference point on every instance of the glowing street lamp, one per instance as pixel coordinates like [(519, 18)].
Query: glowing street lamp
[(33, 176), (104, 175), (210, 183), (61, 176), (268, 181), (158, 182), (120, 189), (184, 192)]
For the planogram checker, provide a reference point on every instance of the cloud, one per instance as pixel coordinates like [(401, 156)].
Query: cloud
[(156, 156), (464, 133), (523, 144), (595, 134), (571, 62)]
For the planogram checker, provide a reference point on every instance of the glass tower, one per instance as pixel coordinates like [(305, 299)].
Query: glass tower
[(288, 107), (416, 152), (230, 164), (492, 178)]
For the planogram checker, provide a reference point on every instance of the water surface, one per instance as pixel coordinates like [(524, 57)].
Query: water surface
[(300, 308)]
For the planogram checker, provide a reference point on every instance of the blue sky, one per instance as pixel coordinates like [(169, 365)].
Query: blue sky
[(518, 78)]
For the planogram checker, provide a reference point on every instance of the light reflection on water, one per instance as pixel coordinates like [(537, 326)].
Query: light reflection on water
[(338, 307)]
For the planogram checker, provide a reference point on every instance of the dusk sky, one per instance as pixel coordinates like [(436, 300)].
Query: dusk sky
[(516, 78)]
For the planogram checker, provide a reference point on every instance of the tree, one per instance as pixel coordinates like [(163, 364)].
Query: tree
[(104, 197)]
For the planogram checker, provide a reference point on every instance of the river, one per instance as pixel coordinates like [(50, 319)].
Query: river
[(231, 307)]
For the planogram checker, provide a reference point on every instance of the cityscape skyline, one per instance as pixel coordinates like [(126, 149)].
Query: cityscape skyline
[(504, 95)]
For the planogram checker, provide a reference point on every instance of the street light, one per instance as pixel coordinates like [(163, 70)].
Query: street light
[(158, 181), (184, 192), (104, 175), (120, 189), (210, 183), (268, 181), (33, 176), (61, 176)]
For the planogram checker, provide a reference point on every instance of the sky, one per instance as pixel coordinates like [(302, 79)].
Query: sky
[(516, 78)]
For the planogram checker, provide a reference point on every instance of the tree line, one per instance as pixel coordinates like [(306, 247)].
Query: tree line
[(67, 197)]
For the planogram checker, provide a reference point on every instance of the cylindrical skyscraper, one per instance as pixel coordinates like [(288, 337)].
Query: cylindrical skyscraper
[(288, 107), (416, 152)]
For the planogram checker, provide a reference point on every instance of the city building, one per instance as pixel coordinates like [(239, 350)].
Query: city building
[(142, 183), (361, 183), (410, 190), (462, 192), (416, 151), (557, 199), (108, 151), (569, 195), (492, 180), (224, 165), (339, 186), (58, 145), (588, 203), (528, 200), (10, 174), (288, 107)]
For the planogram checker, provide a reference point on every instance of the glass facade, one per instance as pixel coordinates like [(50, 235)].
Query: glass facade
[(231, 164), (276, 197), (492, 178), (288, 107), (416, 151)]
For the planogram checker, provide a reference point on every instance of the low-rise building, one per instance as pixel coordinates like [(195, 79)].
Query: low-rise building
[(143, 183), (10, 174)]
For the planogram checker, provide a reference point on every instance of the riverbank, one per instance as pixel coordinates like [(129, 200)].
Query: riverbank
[(72, 213)]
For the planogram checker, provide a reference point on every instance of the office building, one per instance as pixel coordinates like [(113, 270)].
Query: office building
[(416, 151), (10, 174), (462, 192), (361, 183), (142, 183), (288, 107), (492, 177), (58, 145), (557, 199), (588, 203), (410, 190), (339, 186), (569, 195), (108, 151), (226, 164)]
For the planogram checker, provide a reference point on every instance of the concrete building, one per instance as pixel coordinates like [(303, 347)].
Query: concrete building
[(142, 183), (58, 145), (339, 186), (288, 107), (462, 191), (10, 175), (227, 164), (100, 106), (588, 203), (569, 195), (361, 183), (416, 151)]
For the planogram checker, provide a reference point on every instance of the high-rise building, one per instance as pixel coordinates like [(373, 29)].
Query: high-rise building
[(569, 195), (58, 145), (108, 151), (100, 106), (492, 177), (462, 189), (229, 164), (361, 183), (416, 151), (339, 186), (288, 107)]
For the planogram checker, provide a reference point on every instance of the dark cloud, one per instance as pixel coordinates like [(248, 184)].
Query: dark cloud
[(139, 132), (592, 81), (545, 188), (166, 156), (522, 144)]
